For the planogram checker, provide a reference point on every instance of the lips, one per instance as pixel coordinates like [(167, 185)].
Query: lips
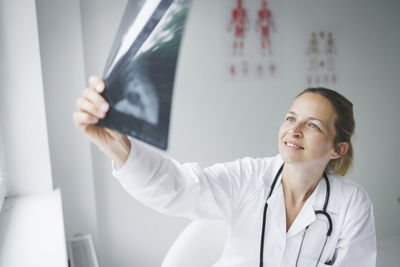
[(293, 144)]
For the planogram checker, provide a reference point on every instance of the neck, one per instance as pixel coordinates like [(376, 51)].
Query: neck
[(299, 182)]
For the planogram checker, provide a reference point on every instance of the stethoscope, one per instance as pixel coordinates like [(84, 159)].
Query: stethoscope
[(323, 212)]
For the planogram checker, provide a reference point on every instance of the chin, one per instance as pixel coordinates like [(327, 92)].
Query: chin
[(292, 159), (291, 156)]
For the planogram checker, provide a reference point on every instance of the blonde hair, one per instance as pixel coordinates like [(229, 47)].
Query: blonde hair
[(344, 126)]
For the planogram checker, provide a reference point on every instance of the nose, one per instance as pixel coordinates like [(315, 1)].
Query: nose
[(295, 131)]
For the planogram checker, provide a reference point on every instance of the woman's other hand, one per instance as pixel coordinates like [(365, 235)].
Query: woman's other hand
[(91, 108)]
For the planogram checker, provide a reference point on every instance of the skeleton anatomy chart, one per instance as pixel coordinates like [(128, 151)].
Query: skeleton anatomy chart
[(321, 58), (253, 39)]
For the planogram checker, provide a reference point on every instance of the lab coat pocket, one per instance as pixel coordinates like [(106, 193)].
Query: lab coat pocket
[(314, 245)]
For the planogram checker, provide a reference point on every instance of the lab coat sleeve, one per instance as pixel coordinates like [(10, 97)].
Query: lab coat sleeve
[(187, 190), (357, 245)]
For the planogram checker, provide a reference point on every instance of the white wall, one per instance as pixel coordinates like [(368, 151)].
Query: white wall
[(124, 224), (22, 110), (215, 120), (61, 47), (370, 63)]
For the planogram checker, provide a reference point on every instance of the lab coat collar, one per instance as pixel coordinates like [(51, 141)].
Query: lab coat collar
[(320, 191), (316, 202), (305, 217), (334, 201), (276, 208), (276, 203)]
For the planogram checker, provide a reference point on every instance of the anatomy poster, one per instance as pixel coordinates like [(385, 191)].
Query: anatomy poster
[(321, 58), (253, 43)]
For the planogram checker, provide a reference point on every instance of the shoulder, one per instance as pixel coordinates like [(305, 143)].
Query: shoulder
[(355, 217), (249, 169), (244, 166), (350, 197), (265, 167)]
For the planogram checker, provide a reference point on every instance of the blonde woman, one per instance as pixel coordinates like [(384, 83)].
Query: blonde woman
[(292, 209)]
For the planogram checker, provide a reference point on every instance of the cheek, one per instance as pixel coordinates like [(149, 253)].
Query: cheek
[(281, 134), (325, 144), (282, 130)]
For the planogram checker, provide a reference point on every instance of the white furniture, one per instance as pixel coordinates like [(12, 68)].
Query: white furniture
[(199, 245), (32, 232)]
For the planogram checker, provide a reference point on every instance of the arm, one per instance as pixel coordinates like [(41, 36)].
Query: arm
[(187, 190), (160, 182), (272, 24), (156, 181), (231, 21), (258, 22)]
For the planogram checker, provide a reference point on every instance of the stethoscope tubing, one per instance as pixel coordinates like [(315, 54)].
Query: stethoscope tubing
[(265, 215), (323, 212)]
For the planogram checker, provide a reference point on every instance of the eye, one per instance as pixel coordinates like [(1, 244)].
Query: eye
[(314, 126), (291, 119)]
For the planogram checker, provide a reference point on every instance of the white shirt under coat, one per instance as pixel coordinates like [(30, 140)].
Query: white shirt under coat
[(236, 192)]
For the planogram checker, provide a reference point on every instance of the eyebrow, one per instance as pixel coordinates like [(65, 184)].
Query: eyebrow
[(310, 118)]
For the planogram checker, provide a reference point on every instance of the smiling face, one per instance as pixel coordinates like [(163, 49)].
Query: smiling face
[(308, 131)]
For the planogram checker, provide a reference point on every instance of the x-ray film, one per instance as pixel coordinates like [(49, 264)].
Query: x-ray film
[(140, 71)]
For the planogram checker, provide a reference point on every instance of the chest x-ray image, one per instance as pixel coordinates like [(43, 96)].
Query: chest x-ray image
[(140, 98), (140, 70)]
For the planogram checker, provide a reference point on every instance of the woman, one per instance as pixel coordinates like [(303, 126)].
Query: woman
[(293, 209)]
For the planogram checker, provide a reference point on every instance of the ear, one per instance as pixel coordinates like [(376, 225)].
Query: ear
[(341, 149)]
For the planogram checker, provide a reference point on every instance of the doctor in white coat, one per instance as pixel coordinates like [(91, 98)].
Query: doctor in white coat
[(310, 215)]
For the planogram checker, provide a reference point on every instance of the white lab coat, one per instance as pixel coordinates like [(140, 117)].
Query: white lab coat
[(236, 192)]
